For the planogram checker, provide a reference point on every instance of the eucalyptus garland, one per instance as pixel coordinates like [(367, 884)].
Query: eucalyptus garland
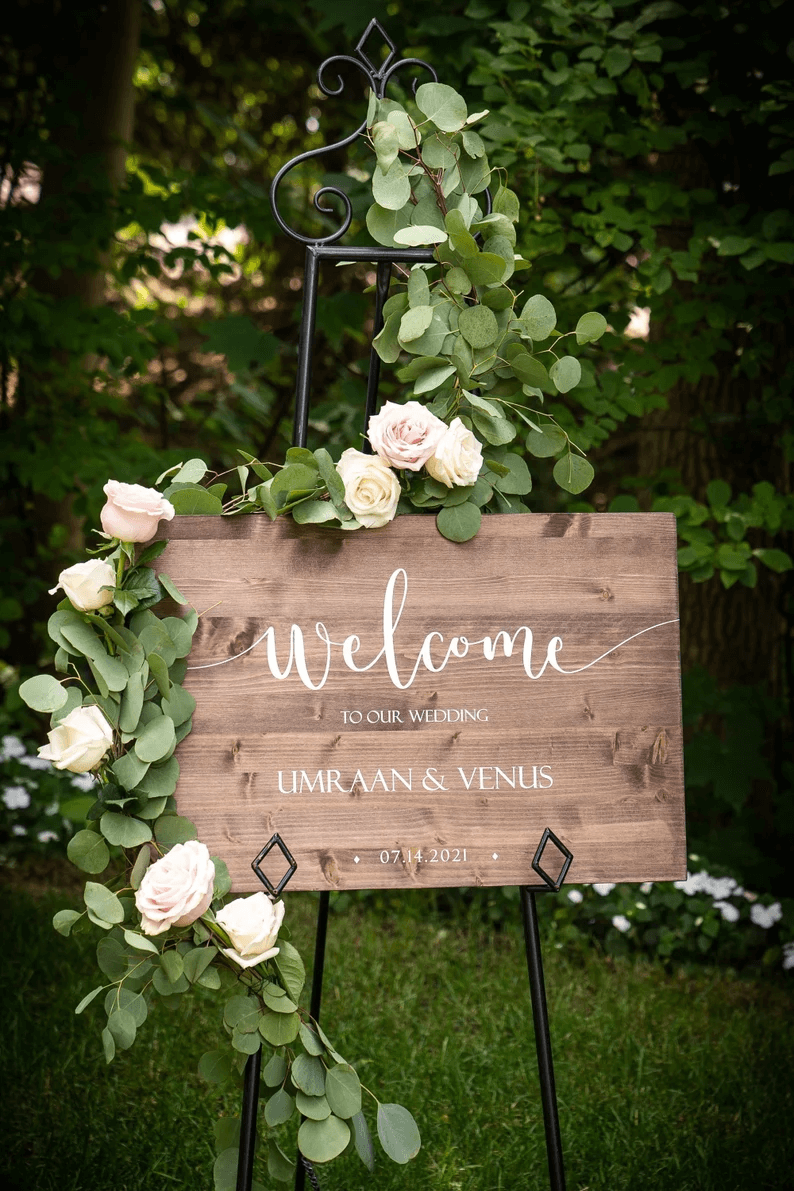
[(119, 709), (161, 906), (484, 356)]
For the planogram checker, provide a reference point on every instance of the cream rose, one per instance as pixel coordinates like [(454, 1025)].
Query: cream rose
[(372, 490), (405, 435), (132, 512), (79, 741), (177, 889), (252, 924), (83, 584), (458, 457)]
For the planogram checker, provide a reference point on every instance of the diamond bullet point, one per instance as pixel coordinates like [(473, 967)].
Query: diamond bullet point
[(496, 856), (356, 859)]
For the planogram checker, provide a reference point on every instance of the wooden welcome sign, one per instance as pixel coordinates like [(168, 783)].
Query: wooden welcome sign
[(406, 712)]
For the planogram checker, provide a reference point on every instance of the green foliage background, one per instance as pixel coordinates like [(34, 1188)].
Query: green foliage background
[(652, 146)]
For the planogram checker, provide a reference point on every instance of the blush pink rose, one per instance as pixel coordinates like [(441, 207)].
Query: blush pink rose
[(405, 435), (132, 512), (177, 889)]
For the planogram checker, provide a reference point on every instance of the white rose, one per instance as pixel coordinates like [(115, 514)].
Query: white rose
[(458, 457), (252, 924), (79, 741), (177, 889), (83, 584), (132, 512), (372, 490), (405, 435)]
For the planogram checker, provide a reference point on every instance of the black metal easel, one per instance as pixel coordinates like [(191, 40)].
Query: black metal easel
[(325, 249)]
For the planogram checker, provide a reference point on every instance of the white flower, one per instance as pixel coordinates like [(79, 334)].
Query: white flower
[(17, 829), (788, 956), (252, 924), (766, 916), (405, 435), (694, 883), (16, 798), (457, 459), (604, 889), (646, 887), (728, 910), (83, 781), (372, 490), (575, 896), (177, 889), (132, 512), (34, 762), (79, 741), (621, 923), (12, 747), (46, 837), (83, 584)]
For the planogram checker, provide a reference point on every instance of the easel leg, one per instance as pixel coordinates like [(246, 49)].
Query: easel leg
[(540, 1018), (245, 1162), (316, 1001)]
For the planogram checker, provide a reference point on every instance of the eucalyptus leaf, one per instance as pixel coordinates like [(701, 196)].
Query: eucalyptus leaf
[(343, 1090), (478, 326), (363, 1141), (383, 224), (123, 830), (398, 1133), (308, 1074), (311, 1040), (566, 373), (443, 105), (322, 1141), (550, 441), (171, 588), (539, 317), (391, 189), (174, 829), (316, 1108), (279, 1166), (156, 739), (88, 998), (275, 1070), (290, 969), (459, 523), (573, 473), (64, 920), (192, 501), (279, 1108), (414, 323), (103, 902), (88, 852), (43, 693), (591, 326), (215, 1066), (279, 1029)]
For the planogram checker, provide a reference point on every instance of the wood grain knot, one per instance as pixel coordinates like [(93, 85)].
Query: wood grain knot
[(605, 594), (659, 750)]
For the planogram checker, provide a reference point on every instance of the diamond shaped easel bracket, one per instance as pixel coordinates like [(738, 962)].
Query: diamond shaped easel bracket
[(375, 27), (275, 841), (554, 885)]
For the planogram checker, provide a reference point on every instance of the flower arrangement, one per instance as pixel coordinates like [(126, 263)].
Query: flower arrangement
[(119, 710), (166, 923), (483, 357)]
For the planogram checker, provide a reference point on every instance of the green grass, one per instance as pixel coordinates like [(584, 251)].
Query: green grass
[(664, 1081)]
